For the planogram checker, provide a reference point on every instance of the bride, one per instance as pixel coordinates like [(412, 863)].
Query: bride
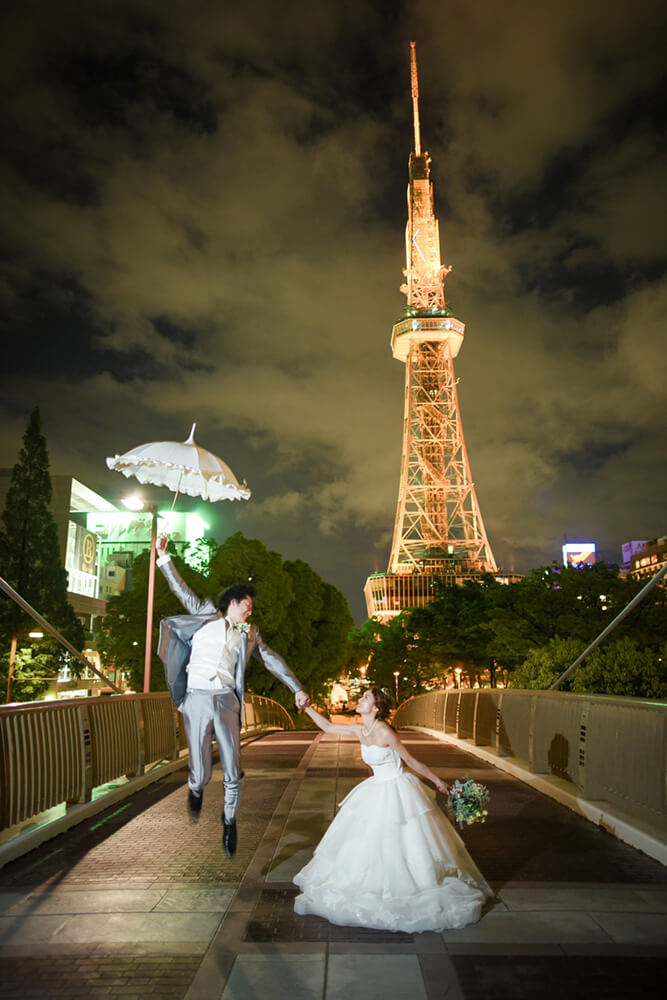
[(390, 860)]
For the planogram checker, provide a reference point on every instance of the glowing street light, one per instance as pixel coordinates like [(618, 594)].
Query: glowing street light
[(396, 675), (132, 502)]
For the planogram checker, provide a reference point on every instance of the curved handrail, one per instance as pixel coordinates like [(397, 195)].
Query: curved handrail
[(59, 752), (604, 747)]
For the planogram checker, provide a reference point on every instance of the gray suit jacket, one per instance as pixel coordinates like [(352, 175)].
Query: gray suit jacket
[(176, 641)]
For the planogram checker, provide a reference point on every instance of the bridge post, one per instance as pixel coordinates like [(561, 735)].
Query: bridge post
[(86, 778), (141, 743)]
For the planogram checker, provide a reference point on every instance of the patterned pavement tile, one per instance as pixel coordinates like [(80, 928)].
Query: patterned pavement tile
[(278, 977), (153, 839), (374, 977), (73, 976)]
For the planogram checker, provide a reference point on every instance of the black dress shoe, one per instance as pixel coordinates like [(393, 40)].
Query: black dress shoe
[(229, 838), (194, 802)]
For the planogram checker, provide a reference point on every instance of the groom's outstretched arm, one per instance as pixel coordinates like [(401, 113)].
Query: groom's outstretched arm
[(277, 666), (193, 604)]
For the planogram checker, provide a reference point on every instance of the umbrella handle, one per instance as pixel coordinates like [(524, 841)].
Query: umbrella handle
[(173, 504)]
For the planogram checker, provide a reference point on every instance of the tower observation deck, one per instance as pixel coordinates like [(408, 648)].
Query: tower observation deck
[(439, 532)]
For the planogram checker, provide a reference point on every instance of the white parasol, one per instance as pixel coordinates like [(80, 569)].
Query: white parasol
[(183, 467)]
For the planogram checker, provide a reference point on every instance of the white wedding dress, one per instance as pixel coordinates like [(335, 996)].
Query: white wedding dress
[(390, 859)]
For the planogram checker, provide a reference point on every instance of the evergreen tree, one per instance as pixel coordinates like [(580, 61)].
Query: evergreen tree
[(30, 561)]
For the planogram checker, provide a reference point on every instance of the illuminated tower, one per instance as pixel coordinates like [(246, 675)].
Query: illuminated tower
[(439, 532)]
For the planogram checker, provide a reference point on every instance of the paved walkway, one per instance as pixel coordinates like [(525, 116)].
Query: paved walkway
[(141, 902)]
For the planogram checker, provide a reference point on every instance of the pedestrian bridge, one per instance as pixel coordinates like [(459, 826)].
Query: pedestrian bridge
[(137, 900)]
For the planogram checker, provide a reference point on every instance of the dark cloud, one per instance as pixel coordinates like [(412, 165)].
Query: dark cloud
[(202, 218)]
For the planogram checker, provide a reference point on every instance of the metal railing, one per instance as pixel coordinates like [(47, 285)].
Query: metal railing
[(55, 752), (608, 748)]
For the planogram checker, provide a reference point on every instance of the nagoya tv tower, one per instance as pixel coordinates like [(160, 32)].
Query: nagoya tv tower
[(439, 532)]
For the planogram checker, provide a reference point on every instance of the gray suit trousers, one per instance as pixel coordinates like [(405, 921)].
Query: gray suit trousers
[(205, 712)]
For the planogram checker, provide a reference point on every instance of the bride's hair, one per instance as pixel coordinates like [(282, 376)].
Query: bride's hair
[(383, 703)]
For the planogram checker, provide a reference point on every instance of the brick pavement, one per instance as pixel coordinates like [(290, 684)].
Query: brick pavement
[(141, 902)]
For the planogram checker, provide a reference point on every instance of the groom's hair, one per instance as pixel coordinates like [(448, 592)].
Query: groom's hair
[(236, 592)]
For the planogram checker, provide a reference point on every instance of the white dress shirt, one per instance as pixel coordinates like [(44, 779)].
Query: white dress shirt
[(208, 668)]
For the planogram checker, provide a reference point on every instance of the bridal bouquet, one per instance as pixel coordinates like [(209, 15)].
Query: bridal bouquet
[(468, 801)]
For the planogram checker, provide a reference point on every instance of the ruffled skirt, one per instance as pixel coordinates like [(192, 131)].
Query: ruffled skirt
[(390, 860)]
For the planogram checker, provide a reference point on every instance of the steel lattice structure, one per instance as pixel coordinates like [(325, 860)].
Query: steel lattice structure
[(438, 522), (439, 532)]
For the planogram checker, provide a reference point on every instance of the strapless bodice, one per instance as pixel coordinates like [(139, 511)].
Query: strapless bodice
[(386, 763)]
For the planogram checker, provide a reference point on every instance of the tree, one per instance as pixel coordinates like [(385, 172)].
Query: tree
[(31, 562), (621, 667), (454, 630), (388, 648), (618, 667), (332, 627), (545, 665)]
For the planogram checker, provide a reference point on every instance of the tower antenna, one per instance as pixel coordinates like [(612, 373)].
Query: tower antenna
[(415, 97)]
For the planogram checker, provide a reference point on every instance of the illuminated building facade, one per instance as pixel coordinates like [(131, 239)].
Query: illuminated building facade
[(439, 532), (100, 541), (646, 563)]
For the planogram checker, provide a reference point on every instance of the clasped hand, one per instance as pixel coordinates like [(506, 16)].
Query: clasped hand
[(301, 699)]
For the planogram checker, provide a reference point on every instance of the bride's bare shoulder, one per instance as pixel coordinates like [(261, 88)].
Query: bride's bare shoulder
[(384, 735)]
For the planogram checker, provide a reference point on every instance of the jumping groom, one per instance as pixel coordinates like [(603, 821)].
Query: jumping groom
[(205, 654)]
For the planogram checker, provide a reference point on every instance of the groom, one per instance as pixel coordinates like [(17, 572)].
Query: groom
[(205, 654)]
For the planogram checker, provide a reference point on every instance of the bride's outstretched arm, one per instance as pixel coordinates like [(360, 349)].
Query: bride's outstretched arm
[(325, 725), (412, 762)]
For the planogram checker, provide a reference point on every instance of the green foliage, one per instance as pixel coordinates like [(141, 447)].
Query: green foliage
[(37, 664), (31, 562), (618, 666), (530, 631), (621, 667), (198, 554), (545, 665), (299, 615)]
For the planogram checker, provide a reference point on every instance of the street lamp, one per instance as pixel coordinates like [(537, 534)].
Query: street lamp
[(135, 503), (396, 674)]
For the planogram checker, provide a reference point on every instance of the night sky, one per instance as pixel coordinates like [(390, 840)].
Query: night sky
[(202, 218)]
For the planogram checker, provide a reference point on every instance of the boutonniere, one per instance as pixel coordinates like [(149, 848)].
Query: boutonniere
[(241, 627)]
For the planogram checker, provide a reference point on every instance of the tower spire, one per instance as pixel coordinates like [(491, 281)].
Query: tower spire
[(415, 97)]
